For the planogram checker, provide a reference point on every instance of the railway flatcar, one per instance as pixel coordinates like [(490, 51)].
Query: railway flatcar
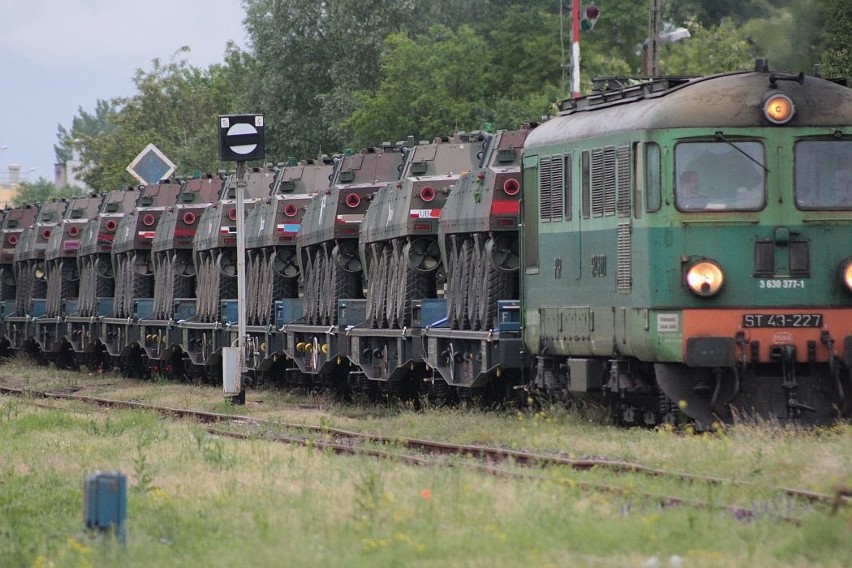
[(398, 245), (272, 264), (686, 244), (331, 265)]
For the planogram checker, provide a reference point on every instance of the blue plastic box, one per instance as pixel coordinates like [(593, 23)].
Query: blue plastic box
[(105, 502)]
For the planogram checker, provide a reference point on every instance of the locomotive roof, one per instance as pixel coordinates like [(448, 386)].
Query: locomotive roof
[(726, 100)]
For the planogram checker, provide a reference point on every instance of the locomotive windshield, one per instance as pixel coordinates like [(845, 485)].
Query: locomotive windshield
[(719, 175), (824, 174)]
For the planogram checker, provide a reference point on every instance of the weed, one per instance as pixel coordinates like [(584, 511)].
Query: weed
[(142, 468), (212, 448)]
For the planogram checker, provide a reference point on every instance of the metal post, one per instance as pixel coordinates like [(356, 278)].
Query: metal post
[(651, 61), (241, 278), (575, 50)]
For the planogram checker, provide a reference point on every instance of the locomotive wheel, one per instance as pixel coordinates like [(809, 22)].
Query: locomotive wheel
[(680, 383)]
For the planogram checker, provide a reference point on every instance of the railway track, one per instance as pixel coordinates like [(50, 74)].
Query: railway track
[(496, 461)]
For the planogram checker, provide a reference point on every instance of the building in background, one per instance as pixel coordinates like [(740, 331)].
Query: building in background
[(10, 183), (65, 173)]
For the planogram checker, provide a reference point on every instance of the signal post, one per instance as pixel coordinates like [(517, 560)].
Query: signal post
[(240, 140)]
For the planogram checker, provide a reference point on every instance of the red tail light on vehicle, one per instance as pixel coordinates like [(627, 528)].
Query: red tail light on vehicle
[(511, 186)]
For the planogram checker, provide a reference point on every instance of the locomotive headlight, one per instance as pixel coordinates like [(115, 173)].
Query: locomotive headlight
[(846, 274), (778, 108), (705, 278)]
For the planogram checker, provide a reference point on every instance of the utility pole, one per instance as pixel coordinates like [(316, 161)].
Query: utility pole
[(651, 59), (575, 50)]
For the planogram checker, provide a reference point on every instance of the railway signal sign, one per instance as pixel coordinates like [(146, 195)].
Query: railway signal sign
[(151, 166), (588, 16), (241, 137)]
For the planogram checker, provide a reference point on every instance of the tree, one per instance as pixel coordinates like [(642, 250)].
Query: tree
[(43, 190), (837, 59), (709, 50), (175, 108), (83, 125), (430, 88)]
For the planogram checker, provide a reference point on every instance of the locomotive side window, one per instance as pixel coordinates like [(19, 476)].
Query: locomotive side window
[(653, 178), (710, 176), (823, 174)]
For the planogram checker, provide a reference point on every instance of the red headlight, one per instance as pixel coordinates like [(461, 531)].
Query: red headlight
[(427, 194), (73, 230), (148, 220), (110, 225), (232, 214), (189, 218), (290, 210)]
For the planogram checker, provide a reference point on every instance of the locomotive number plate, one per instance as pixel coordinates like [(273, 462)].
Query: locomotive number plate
[(782, 320)]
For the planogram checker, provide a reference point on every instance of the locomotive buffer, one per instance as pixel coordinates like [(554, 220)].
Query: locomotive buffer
[(240, 140)]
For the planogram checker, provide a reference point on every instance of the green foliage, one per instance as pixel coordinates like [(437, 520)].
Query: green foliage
[(837, 59), (84, 125), (348, 73), (430, 87), (709, 50), (43, 190), (175, 108)]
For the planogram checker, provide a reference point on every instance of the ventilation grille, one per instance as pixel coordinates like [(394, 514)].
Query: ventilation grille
[(551, 194), (624, 278)]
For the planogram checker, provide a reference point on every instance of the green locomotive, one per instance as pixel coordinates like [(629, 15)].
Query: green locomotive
[(688, 243)]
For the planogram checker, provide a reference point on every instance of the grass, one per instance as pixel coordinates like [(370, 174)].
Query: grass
[(200, 500)]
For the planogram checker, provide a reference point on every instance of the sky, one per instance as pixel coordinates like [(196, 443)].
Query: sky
[(57, 56)]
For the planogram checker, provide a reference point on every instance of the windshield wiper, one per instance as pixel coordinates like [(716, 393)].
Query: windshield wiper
[(720, 136)]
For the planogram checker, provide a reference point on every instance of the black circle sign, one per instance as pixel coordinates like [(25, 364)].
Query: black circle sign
[(241, 137)]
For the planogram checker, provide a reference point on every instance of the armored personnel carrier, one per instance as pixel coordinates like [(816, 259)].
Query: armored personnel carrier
[(331, 264), (478, 235), (399, 245), (272, 266)]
